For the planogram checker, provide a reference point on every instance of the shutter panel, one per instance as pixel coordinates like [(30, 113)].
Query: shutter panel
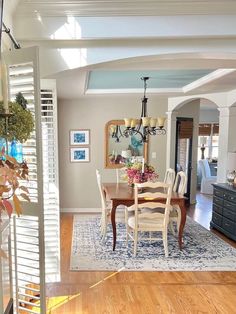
[(28, 252), (204, 130), (215, 129), (51, 182), (186, 129)]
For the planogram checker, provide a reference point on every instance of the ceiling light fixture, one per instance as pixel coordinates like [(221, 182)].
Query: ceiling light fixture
[(144, 126)]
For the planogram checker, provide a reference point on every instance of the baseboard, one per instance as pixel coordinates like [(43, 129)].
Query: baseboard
[(80, 210)]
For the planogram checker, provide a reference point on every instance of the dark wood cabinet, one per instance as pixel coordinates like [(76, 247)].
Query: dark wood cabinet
[(224, 209)]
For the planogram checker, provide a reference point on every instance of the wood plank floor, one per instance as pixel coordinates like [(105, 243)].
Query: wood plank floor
[(142, 292)]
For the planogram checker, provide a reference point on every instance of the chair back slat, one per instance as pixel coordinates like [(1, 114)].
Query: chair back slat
[(153, 195), (153, 185), (153, 205), (170, 176), (180, 183)]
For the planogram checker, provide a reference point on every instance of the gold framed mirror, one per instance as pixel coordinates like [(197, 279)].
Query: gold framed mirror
[(117, 152)]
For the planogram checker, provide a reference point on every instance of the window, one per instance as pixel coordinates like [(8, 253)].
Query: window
[(208, 141)]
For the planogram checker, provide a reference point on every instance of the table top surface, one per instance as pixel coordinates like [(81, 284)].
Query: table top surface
[(121, 191)]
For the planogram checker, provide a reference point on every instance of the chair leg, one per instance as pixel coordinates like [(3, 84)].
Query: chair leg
[(165, 243), (135, 241), (172, 228), (104, 232), (127, 226), (104, 228), (178, 219), (127, 234)]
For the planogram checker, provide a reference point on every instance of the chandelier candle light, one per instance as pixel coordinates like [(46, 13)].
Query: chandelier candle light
[(144, 126)]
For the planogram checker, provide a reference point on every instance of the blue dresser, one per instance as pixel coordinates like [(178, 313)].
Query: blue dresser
[(224, 209)]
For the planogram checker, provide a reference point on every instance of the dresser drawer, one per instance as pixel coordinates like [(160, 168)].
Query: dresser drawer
[(229, 214), (217, 200), (229, 225), (217, 219), (218, 192), (230, 206), (230, 197), (217, 209)]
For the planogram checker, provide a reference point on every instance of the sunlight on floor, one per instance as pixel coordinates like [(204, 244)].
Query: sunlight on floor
[(104, 279)]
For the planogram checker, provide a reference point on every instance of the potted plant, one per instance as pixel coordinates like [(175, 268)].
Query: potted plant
[(20, 122), (17, 125)]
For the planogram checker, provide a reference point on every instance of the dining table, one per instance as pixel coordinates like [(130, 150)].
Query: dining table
[(122, 194)]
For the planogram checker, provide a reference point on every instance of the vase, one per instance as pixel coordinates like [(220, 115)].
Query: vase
[(16, 151)]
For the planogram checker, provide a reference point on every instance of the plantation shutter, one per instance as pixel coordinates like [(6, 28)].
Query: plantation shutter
[(185, 129), (51, 182), (215, 129), (204, 129), (28, 246)]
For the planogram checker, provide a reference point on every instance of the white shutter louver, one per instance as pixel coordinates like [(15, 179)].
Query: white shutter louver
[(50, 175), (27, 231)]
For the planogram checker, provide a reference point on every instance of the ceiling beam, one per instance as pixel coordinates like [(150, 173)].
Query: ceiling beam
[(125, 7), (125, 42)]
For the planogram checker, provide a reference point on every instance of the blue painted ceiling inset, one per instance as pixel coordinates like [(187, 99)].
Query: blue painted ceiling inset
[(99, 79)]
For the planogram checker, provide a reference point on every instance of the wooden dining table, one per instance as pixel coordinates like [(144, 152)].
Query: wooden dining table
[(122, 194)]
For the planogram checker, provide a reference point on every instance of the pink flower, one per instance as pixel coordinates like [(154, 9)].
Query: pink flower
[(135, 175)]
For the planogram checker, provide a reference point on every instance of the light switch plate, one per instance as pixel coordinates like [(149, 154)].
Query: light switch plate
[(154, 155)]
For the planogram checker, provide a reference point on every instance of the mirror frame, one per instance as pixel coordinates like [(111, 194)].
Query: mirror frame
[(109, 165)]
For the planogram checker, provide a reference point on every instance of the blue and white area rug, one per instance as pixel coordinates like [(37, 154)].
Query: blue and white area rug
[(202, 250)]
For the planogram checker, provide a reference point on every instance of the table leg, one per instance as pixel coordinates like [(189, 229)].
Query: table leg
[(182, 223), (113, 222)]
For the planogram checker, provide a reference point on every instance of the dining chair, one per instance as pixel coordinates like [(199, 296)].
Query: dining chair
[(106, 207), (180, 188), (153, 221), (169, 176), (121, 175), (207, 179)]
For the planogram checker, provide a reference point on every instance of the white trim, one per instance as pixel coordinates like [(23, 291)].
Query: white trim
[(133, 91), (80, 210), (207, 79)]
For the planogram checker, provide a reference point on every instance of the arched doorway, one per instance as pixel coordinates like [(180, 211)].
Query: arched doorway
[(183, 144)]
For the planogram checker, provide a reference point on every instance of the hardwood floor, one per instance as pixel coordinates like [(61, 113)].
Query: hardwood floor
[(142, 292)]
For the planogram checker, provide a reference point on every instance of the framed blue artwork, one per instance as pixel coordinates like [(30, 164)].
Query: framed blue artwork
[(79, 137), (79, 154)]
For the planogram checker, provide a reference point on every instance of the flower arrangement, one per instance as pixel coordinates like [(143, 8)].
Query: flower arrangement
[(134, 173)]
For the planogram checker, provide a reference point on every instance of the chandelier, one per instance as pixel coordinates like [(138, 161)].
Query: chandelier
[(144, 126)]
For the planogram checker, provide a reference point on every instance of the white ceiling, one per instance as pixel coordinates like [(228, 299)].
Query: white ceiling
[(125, 7), (74, 83)]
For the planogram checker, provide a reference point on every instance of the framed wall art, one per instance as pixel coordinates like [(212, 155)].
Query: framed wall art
[(79, 137), (79, 154)]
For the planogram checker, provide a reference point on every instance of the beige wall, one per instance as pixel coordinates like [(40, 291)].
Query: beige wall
[(78, 187)]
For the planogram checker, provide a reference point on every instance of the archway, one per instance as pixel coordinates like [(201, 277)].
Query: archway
[(187, 107)]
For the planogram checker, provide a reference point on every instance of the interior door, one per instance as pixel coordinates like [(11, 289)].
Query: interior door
[(183, 149)]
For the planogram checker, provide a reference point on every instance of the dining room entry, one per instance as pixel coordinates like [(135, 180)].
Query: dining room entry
[(183, 149)]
